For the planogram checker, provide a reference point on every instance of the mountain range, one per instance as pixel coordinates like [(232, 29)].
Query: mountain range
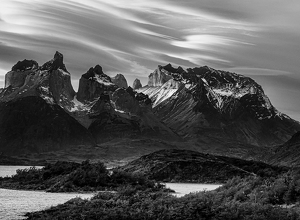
[(202, 109)]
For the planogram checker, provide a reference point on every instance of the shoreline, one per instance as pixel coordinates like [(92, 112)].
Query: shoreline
[(39, 190), (103, 191)]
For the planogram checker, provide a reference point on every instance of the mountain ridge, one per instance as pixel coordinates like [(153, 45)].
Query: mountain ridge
[(98, 107), (219, 101), (203, 109)]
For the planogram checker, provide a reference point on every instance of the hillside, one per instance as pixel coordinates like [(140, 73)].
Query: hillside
[(190, 166)]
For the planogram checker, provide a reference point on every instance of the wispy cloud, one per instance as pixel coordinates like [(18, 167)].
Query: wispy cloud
[(257, 38), (259, 71)]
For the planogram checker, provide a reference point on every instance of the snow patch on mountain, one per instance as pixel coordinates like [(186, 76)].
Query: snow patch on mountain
[(163, 95), (78, 106), (64, 72), (102, 80), (223, 92), (48, 99)]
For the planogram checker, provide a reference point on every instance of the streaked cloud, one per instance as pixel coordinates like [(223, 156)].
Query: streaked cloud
[(256, 38), (258, 71)]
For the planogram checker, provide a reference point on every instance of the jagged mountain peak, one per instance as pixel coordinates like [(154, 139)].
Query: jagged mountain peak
[(221, 83), (120, 80), (158, 77), (209, 75), (93, 83), (218, 87), (58, 56), (119, 75), (137, 84), (98, 69), (16, 77), (95, 73), (170, 68), (205, 100), (51, 81), (25, 65), (56, 63)]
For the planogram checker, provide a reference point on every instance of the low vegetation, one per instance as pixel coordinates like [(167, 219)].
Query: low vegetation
[(272, 194), (190, 166), (74, 177), (250, 198)]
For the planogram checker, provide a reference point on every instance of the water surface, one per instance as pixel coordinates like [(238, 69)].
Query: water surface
[(15, 203), (11, 170), (182, 189)]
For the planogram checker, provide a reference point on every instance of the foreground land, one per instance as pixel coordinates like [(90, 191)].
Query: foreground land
[(240, 199), (75, 177), (175, 165), (258, 191)]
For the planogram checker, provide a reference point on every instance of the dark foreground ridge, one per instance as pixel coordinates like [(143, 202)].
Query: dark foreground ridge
[(264, 194), (190, 166), (254, 197), (239, 199)]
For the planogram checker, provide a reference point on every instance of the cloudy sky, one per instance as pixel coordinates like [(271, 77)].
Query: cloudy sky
[(258, 38)]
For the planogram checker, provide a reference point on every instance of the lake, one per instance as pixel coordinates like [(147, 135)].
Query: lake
[(182, 189), (15, 203), (11, 170)]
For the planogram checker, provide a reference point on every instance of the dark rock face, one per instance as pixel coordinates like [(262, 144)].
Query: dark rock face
[(61, 87), (137, 84), (25, 65), (128, 115), (52, 82), (130, 101), (31, 106), (120, 81), (295, 139), (94, 83), (16, 77), (55, 63), (109, 126), (97, 70), (140, 97), (125, 102), (31, 125), (203, 103), (287, 154)]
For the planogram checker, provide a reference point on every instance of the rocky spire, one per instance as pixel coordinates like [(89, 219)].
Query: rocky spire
[(137, 84), (93, 71), (158, 77), (120, 81), (94, 83), (25, 65), (55, 63), (16, 77)]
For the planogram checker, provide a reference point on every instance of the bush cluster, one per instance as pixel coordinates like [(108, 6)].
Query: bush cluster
[(134, 204), (283, 189), (70, 177)]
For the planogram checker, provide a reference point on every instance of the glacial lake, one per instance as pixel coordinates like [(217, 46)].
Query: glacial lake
[(182, 189), (15, 203), (11, 170)]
